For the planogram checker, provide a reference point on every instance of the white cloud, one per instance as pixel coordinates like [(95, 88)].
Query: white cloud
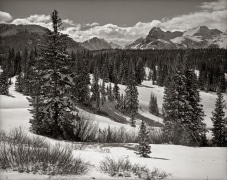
[(69, 22), (216, 5), (212, 14), (111, 32), (42, 20), (5, 17), (214, 19)]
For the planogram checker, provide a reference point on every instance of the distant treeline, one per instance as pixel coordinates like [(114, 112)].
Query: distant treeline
[(211, 65), (113, 65)]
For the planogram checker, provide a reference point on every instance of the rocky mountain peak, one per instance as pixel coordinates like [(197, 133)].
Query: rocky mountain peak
[(197, 37), (202, 31)]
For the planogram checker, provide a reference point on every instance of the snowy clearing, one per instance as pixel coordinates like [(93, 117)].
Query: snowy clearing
[(181, 161)]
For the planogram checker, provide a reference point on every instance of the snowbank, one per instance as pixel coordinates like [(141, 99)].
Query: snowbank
[(183, 162)]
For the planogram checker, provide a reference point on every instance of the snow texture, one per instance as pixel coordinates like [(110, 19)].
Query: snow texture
[(181, 161)]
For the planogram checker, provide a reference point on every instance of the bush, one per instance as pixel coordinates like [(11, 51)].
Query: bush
[(113, 167), (117, 135), (85, 129), (42, 158), (18, 136), (123, 167), (156, 136)]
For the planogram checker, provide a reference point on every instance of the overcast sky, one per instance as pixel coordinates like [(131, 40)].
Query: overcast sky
[(120, 21)]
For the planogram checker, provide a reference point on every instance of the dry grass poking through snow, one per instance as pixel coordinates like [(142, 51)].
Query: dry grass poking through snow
[(122, 167), (22, 153)]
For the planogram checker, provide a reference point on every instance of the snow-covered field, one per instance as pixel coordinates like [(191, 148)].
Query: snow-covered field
[(181, 161)]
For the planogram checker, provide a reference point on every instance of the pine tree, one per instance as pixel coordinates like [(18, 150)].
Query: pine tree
[(19, 82), (150, 76), (103, 93), (175, 106), (56, 81), (131, 97), (140, 71), (95, 89), (105, 73), (4, 86), (26, 69), (116, 93), (195, 113), (38, 126), (110, 93), (154, 75), (10, 82), (219, 129), (34, 67), (153, 105), (81, 80), (222, 83), (121, 106), (143, 148), (124, 70), (17, 64)]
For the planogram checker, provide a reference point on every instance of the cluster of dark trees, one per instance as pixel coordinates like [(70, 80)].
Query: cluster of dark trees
[(210, 64)]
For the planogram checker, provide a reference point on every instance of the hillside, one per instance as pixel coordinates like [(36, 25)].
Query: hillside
[(29, 36), (98, 44)]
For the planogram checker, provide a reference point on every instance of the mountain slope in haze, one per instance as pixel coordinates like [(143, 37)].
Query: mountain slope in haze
[(115, 46), (198, 37), (29, 36), (98, 44)]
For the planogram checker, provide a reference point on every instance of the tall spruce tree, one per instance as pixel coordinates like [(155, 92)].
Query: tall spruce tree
[(19, 82), (4, 85), (26, 69), (36, 100), (175, 106), (124, 69), (56, 81), (219, 127), (153, 105), (81, 80), (131, 96), (116, 92), (144, 148), (195, 125), (110, 93), (103, 93), (95, 97)]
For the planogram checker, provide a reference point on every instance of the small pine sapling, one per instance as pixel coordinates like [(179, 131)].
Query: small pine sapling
[(143, 148)]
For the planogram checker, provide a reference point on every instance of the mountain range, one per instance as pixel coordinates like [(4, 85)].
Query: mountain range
[(98, 44), (198, 37), (21, 36)]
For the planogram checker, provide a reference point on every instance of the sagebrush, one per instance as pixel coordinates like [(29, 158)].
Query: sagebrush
[(124, 168), (25, 155)]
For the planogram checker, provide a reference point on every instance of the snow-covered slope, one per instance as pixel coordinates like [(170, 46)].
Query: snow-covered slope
[(145, 89), (16, 107), (181, 161)]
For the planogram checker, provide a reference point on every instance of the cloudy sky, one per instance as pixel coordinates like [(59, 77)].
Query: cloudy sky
[(119, 21)]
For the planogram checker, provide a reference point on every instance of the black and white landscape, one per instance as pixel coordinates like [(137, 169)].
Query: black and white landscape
[(113, 89)]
